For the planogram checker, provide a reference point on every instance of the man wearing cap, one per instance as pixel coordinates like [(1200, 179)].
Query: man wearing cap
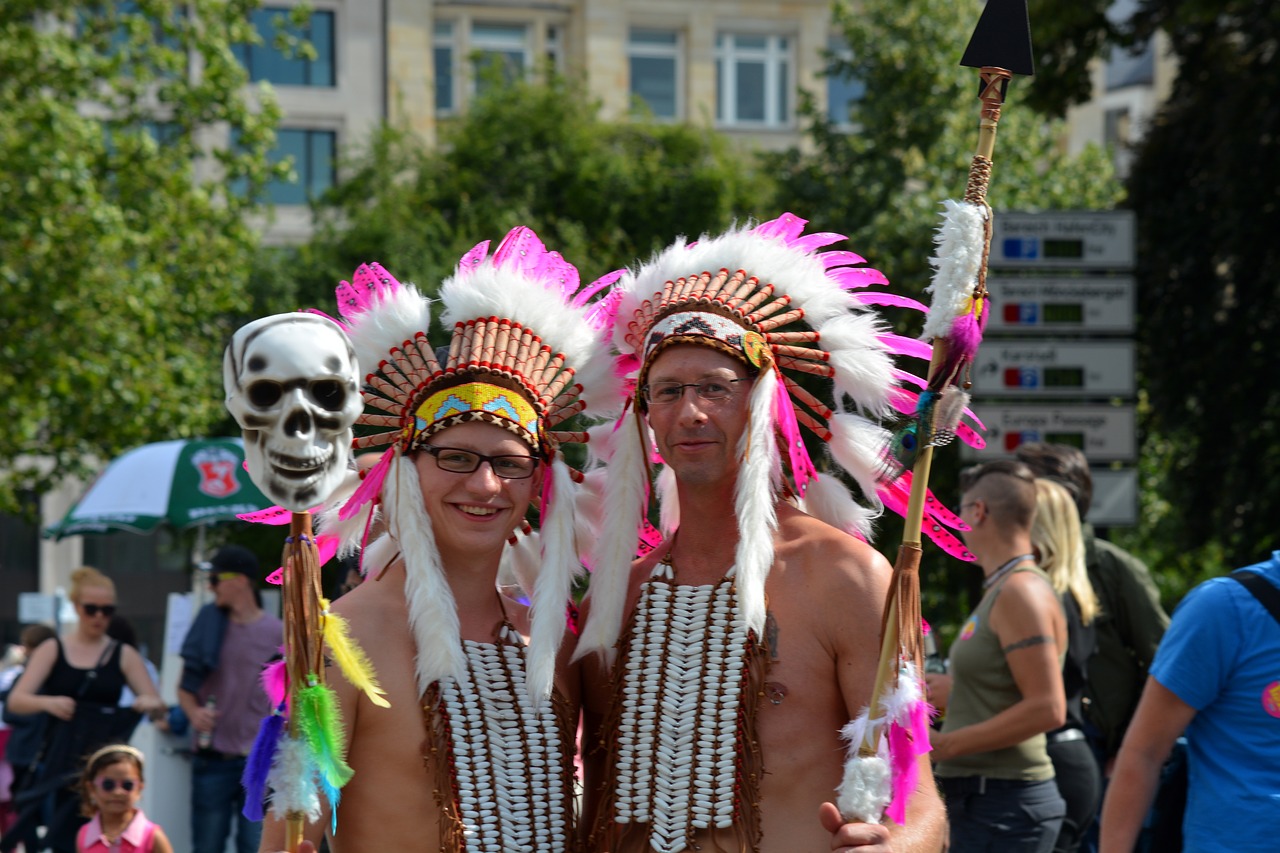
[(223, 655)]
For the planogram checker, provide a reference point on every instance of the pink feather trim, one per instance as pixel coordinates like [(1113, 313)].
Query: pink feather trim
[(904, 401), (876, 297), (474, 257), (907, 346), (270, 515), (906, 745), (275, 683), (788, 226), (896, 495), (802, 470), (370, 487), (326, 548), (857, 277), (817, 240), (912, 379), (841, 258)]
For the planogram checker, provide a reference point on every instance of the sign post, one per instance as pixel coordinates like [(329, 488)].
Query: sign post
[(1057, 363)]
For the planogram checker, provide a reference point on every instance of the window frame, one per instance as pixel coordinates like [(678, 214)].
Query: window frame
[(675, 52), (777, 54), (245, 52)]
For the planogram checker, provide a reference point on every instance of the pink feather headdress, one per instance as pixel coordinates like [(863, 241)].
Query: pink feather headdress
[(767, 296)]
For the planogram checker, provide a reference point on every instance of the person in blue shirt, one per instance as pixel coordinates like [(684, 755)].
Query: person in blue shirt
[(1216, 675)]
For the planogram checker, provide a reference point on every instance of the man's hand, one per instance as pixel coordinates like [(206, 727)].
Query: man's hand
[(203, 719), (62, 707), (865, 837)]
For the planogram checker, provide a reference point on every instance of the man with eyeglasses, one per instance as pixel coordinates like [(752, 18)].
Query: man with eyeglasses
[(475, 751), (223, 655), (723, 665)]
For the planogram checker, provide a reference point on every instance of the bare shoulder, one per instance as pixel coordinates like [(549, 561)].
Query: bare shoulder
[(829, 558)]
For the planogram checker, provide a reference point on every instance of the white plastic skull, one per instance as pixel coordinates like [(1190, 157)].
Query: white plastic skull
[(293, 386)]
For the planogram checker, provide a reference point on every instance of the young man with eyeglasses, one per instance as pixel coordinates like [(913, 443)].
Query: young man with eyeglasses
[(223, 654), (723, 665), (475, 751), (1005, 688)]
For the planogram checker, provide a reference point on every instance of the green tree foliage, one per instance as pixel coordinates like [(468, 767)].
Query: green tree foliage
[(601, 193), (1206, 190), (914, 135), (121, 249)]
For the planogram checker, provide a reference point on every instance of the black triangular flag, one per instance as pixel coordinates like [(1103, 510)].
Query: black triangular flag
[(1002, 38)]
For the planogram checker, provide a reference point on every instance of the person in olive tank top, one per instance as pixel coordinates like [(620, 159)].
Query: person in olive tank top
[(1005, 684)]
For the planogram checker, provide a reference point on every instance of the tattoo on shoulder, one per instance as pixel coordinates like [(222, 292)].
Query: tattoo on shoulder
[(1037, 640)]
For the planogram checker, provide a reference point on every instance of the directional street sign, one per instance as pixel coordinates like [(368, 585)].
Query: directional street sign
[(1030, 368), (1061, 304), (1063, 240), (1115, 497), (1104, 433)]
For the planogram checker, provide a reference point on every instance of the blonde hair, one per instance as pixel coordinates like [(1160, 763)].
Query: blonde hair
[(1056, 536), (87, 576)]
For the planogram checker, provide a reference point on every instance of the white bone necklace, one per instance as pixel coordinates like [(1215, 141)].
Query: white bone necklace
[(502, 760)]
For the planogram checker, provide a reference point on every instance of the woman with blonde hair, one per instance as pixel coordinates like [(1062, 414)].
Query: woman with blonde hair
[(1059, 545), (77, 680)]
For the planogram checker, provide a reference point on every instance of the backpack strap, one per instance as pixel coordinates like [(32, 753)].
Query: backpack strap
[(1263, 590)]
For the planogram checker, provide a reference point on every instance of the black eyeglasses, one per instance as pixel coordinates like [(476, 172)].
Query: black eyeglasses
[(109, 785), (107, 610), (712, 390), (455, 460)]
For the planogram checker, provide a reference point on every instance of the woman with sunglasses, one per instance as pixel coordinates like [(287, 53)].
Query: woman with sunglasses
[(77, 679)]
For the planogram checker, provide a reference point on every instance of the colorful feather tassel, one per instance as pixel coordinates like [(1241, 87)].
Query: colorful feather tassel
[(258, 766), (350, 658), (275, 683), (320, 724)]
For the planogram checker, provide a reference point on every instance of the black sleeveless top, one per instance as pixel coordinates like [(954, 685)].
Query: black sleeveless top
[(103, 687)]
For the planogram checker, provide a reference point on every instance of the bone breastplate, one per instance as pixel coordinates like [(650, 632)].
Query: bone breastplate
[(503, 763), (683, 752)]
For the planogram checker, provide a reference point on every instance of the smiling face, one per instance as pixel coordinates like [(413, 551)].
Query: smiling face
[(473, 514), (699, 438)]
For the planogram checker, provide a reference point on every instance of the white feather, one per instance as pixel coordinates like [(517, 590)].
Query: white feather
[(378, 554), (856, 445), (519, 563), (351, 531), (292, 781), (960, 241), (755, 503), (391, 321), (625, 495), (865, 790), (554, 585), (863, 364), (827, 499), (433, 615)]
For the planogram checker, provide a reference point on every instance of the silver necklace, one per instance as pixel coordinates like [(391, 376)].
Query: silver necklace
[(1005, 569)]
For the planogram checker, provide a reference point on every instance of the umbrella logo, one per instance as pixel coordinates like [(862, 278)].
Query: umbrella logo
[(217, 467)]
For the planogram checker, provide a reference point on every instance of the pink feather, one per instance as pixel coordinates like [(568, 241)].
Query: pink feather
[(962, 342), (276, 578), (270, 515), (876, 297), (907, 346), (519, 250), (275, 682), (802, 470), (370, 487), (788, 226), (474, 257), (906, 745), (837, 259), (853, 278), (912, 379), (584, 295), (345, 327), (817, 240)]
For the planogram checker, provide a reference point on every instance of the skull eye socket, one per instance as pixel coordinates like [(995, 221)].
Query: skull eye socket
[(330, 394), (263, 394)]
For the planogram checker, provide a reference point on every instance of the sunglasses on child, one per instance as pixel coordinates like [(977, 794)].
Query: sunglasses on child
[(107, 610), (109, 785)]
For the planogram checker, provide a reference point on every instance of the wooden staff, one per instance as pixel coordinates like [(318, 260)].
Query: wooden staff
[(999, 48), (304, 647)]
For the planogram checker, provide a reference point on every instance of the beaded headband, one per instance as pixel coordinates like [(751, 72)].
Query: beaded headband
[(768, 297)]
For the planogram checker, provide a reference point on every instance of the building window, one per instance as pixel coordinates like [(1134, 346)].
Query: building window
[(1126, 68), (753, 80), (654, 57), (843, 92), (499, 53), (269, 62), (554, 50), (313, 153), (442, 51)]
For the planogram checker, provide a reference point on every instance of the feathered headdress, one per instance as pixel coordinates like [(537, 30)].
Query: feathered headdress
[(766, 296), (523, 356)]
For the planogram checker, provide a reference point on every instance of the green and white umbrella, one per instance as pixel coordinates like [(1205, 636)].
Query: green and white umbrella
[(184, 483)]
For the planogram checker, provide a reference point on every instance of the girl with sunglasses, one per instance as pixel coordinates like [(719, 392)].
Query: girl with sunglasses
[(110, 788), (77, 680)]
